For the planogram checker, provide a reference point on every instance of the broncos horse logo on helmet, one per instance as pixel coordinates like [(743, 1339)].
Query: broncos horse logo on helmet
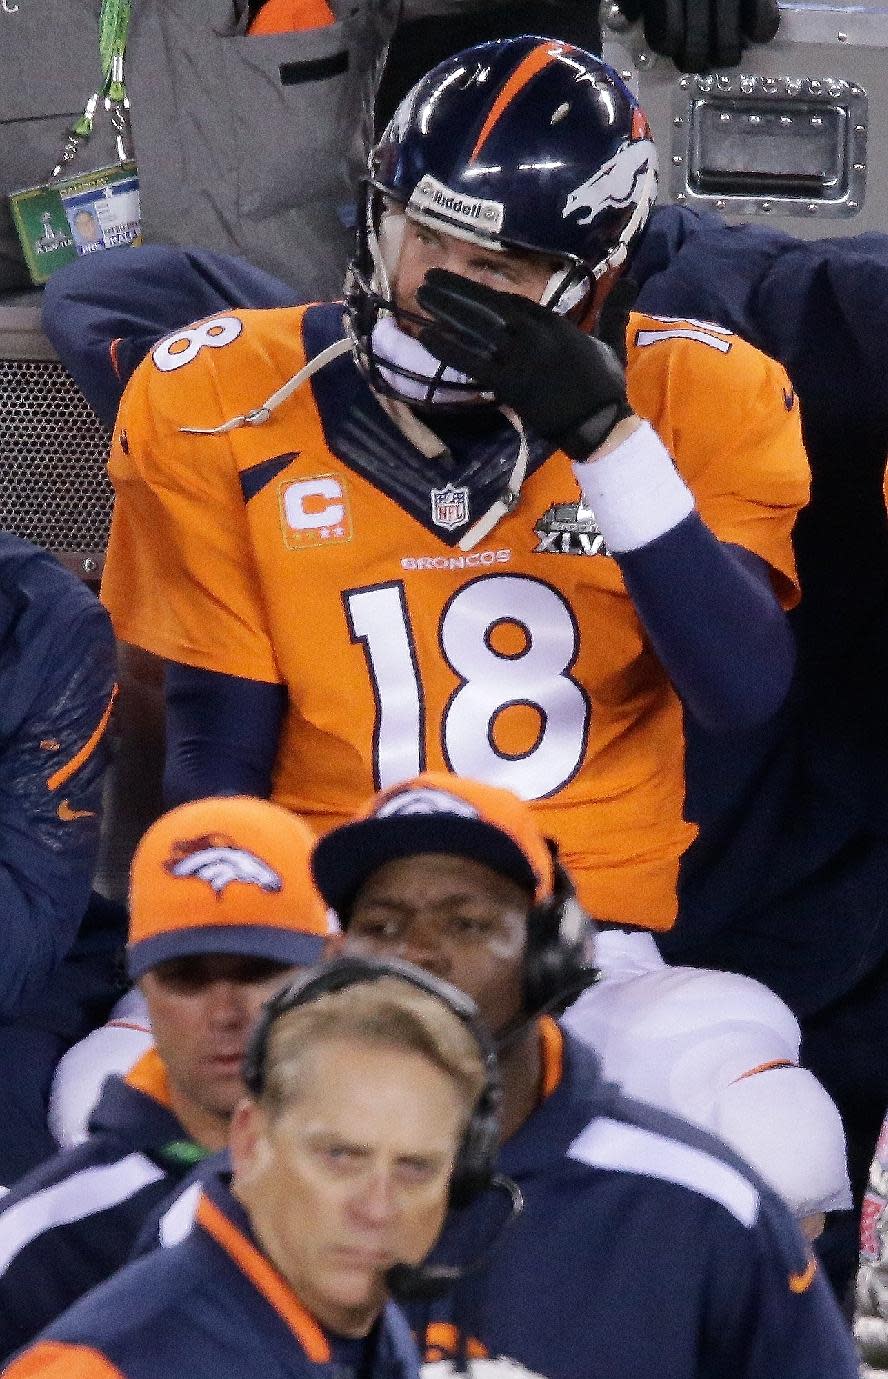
[(526, 143), (623, 181)]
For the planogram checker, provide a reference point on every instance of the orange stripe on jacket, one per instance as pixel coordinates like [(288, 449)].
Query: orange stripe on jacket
[(67, 771), (536, 60), (149, 1075), (551, 1056), (800, 1283), (57, 1360), (266, 1279), (766, 1067), (441, 1342)]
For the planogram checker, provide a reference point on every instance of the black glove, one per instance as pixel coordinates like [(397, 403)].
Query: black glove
[(698, 34), (564, 384)]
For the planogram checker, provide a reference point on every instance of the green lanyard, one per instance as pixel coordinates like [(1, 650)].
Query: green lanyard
[(114, 21), (113, 28)]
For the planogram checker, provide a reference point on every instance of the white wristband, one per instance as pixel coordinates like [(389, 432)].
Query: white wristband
[(635, 491)]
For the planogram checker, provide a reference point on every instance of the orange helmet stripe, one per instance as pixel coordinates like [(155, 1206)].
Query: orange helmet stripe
[(536, 60)]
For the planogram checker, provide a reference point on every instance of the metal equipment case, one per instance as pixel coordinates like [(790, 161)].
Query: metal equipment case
[(798, 134)]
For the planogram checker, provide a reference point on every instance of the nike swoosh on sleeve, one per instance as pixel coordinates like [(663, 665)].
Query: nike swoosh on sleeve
[(800, 1283), (68, 815), (65, 772)]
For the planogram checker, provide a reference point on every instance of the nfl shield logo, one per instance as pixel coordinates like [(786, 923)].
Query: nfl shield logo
[(450, 507)]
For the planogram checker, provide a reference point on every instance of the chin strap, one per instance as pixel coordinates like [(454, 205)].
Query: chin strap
[(419, 435), (422, 437), (510, 495), (259, 415), (429, 444)]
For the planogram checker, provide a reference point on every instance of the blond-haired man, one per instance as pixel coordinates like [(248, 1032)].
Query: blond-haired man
[(373, 1096)]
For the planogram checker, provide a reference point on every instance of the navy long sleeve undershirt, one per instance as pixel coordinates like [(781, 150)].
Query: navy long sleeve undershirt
[(711, 616), (222, 734), (715, 624)]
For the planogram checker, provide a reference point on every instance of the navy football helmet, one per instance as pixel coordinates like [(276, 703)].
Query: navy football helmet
[(525, 143)]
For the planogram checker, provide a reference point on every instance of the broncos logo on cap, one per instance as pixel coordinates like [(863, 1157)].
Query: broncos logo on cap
[(219, 860), (425, 802)]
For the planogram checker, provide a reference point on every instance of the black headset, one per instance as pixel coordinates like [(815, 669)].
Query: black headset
[(474, 1168), (557, 968)]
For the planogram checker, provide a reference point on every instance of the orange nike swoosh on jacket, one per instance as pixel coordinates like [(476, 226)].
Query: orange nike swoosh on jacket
[(67, 814), (800, 1283)]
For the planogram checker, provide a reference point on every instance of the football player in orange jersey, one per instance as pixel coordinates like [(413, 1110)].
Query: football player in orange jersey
[(359, 561)]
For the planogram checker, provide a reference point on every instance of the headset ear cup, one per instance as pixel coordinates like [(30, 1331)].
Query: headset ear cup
[(557, 957), (476, 1161)]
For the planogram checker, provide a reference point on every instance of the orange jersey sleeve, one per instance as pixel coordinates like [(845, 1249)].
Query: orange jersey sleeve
[(729, 417), (179, 577)]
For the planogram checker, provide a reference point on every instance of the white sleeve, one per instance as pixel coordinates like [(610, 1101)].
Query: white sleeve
[(635, 491), (720, 1050), (78, 1079), (785, 1124)]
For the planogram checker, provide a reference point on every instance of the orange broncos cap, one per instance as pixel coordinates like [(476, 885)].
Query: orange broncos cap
[(225, 875), (434, 812)]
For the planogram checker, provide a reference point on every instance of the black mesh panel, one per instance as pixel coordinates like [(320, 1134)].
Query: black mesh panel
[(54, 488)]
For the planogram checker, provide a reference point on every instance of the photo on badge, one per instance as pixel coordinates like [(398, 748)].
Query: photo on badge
[(103, 213)]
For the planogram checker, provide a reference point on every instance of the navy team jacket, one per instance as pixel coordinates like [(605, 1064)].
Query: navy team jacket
[(645, 1250), (212, 1307), (73, 1221), (57, 673)]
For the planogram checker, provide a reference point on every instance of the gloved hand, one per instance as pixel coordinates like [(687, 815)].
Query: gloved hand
[(564, 384), (698, 34)]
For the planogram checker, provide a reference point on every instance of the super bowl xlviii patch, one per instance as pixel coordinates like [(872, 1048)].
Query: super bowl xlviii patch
[(450, 507), (569, 529)]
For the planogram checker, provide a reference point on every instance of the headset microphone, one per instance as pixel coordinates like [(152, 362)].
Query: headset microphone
[(418, 1283), (423, 1282), (556, 1005)]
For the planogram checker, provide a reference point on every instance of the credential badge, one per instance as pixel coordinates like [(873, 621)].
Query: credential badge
[(450, 507)]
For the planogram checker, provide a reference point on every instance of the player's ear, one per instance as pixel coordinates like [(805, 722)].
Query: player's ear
[(248, 1144)]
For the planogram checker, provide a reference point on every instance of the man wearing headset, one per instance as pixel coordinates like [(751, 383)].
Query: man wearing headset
[(222, 912), (372, 1104), (629, 1213)]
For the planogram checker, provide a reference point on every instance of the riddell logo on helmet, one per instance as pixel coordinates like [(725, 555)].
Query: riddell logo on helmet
[(435, 198)]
